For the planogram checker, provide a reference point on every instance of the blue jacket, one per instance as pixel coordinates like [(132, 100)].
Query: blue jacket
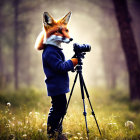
[(56, 70)]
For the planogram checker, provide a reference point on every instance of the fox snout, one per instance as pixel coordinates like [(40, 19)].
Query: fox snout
[(67, 40), (71, 39), (64, 32)]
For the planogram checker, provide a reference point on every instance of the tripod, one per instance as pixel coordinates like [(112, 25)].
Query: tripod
[(83, 88)]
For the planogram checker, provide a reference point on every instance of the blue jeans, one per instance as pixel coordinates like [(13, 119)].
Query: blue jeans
[(57, 111)]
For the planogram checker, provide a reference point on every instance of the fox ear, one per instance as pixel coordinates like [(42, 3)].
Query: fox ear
[(66, 18), (47, 19)]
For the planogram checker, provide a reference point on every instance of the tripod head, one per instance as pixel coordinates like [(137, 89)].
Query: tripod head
[(79, 56), (80, 51)]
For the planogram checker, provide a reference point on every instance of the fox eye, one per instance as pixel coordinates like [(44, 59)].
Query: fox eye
[(67, 30)]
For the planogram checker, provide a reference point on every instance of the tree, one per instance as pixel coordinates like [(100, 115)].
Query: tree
[(129, 47), (1, 58), (1, 50), (20, 7), (16, 4)]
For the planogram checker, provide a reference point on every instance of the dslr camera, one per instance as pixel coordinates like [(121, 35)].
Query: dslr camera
[(78, 49)]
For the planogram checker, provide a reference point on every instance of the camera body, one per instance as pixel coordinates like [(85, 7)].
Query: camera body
[(81, 48)]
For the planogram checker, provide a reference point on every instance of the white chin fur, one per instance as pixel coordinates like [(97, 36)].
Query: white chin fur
[(66, 40), (56, 40)]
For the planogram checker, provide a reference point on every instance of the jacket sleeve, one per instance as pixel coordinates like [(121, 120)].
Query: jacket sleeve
[(54, 60)]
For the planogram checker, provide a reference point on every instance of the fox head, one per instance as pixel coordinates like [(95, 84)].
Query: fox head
[(55, 32)]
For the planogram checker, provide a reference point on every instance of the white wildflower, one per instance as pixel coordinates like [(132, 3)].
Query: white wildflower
[(44, 125), (91, 116), (79, 134), (67, 133), (26, 120), (96, 138), (112, 123), (7, 125), (37, 113), (76, 138), (30, 114), (19, 123), (86, 106), (13, 118), (12, 124), (9, 104), (40, 130), (24, 135), (130, 125)]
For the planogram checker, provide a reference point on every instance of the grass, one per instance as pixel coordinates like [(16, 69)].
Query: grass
[(24, 112)]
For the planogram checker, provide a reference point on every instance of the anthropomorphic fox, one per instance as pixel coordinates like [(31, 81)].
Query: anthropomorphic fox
[(54, 32), (55, 68)]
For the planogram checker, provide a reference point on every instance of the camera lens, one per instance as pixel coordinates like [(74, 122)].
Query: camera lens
[(81, 48), (86, 48)]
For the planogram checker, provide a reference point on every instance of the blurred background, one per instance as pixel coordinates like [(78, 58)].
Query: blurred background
[(93, 22)]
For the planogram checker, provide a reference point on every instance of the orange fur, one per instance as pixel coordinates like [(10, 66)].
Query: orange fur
[(53, 29), (39, 41)]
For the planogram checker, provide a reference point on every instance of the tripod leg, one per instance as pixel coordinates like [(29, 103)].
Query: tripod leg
[(83, 97), (61, 121), (72, 90), (91, 106)]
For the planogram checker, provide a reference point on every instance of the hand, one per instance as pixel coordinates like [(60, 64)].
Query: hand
[(74, 61)]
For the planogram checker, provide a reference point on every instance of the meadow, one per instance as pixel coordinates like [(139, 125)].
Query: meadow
[(23, 115)]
